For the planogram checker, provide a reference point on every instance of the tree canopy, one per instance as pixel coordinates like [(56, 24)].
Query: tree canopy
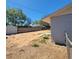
[(16, 17), (41, 23)]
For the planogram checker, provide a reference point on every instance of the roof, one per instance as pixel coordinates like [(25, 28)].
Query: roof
[(66, 10)]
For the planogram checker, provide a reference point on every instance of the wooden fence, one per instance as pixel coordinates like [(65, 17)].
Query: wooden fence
[(22, 30)]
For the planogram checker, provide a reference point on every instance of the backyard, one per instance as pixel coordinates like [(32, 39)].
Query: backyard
[(34, 45)]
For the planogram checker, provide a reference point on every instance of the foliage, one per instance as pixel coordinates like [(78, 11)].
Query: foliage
[(28, 22), (15, 17), (36, 22), (41, 23)]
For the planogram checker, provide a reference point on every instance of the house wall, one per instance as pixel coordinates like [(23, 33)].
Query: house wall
[(11, 29), (60, 25)]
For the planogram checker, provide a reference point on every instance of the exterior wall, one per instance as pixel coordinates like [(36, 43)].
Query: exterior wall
[(11, 29), (60, 25)]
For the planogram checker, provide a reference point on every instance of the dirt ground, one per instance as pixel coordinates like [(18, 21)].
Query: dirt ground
[(20, 46)]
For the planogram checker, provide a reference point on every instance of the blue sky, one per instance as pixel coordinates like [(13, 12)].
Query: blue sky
[(37, 9)]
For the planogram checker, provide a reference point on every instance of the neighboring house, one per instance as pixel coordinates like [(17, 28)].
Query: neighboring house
[(61, 23), (11, 29)]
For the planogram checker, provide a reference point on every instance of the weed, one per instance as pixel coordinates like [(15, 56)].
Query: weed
[(43, 41), (35, 45), (45, 37)]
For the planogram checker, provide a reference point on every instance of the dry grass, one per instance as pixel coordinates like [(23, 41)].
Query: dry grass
[(19, 48)]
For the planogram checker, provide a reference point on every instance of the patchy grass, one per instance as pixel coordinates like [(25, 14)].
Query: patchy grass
[(44, 38), (29, 47), (43, 41), (35, 45)]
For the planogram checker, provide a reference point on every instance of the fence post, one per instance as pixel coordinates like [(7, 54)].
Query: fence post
[(69, 46)]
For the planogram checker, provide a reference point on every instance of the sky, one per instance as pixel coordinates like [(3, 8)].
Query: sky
[(37, 9)]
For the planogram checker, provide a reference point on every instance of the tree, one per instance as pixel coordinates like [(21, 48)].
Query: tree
[(28, 22), (15, 17), (42, 23)]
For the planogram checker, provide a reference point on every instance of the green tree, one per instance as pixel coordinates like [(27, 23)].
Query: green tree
[(15, 17), (36, 22), (42, 23)]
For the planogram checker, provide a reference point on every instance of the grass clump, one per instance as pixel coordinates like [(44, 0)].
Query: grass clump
[(35, 45), (44, 38), (43, 41)]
